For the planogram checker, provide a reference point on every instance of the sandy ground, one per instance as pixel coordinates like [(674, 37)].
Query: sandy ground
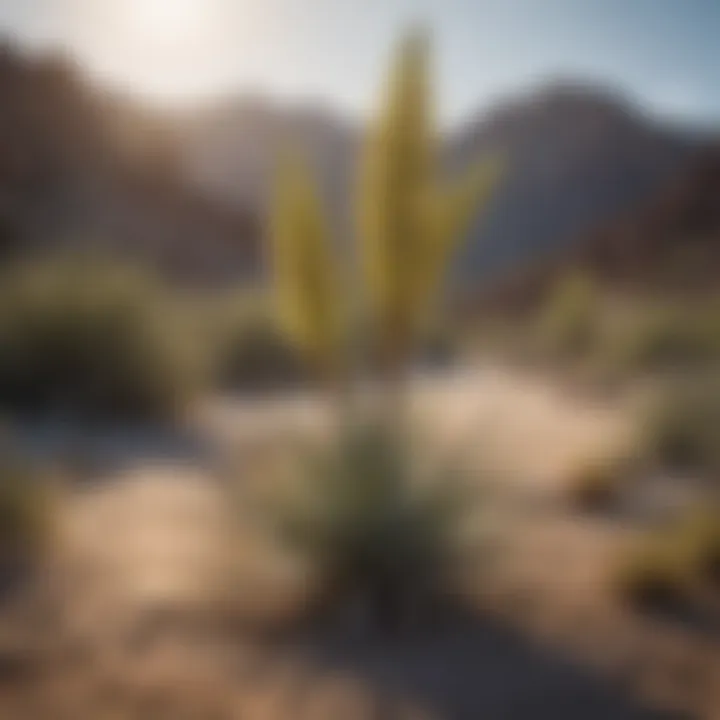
[(150, 531), (150, 542)]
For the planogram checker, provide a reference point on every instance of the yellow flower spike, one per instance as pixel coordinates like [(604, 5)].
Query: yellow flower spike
[(306, 271), (408, 223)]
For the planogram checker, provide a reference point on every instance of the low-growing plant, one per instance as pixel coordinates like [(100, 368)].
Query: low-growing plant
[(654, 574), (378, 533), (699, 534), (439, 347), (683, 427), (568, 324), (672, 562), (596, 485), (251, 353), (91, 339), (710, 555), (27, 520), (667, 339)]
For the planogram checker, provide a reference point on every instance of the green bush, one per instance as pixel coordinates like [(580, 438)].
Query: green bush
[(655, 573), (92, 340), (373, 532), (251, 353), (568, 323), (669, 339), (683, 428), (699, 534), (439, 346), (669, 565), (596, 485), (26, 514)]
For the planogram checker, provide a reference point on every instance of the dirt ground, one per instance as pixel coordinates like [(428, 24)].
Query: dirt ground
[(158, 577)]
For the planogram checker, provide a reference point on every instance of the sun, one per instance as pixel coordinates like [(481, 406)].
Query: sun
[(161, 21), (163, 48)]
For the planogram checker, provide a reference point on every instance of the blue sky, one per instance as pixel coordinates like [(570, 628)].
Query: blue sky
[(666, 52)]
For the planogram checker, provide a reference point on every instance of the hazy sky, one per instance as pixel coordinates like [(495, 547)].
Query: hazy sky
[(665, 51)]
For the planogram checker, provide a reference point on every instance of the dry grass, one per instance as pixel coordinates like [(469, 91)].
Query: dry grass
[(656, 573), (597, 485), (671, 566)]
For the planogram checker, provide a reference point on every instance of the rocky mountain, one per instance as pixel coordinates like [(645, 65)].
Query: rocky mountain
[(577, 159), (79, 170), (668, 244), (231, 151), (671, 242), (188, 191)]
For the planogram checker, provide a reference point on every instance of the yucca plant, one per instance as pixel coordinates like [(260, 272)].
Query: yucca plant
[(307, 274), (371, 529), (410, 220)]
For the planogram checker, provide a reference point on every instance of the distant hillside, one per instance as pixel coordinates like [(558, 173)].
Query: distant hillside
[(231, 150), (188, 192), (70, 179), (579, 158), (669, 244), (673, 241)]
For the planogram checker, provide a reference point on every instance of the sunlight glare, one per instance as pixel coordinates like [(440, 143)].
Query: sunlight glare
[(160, 48), (163, 21)]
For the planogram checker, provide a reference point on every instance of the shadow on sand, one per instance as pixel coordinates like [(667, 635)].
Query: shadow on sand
[(90, 453), (468, 670)]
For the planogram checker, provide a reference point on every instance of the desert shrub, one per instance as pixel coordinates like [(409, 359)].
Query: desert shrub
[(439, 346), (26, 515), (595, 485), (669, 339), (683, 426), (252, 353), (698, 534), (655, 573), (674, 561), (374, 532), (710, 554), (649, 577), (91, 339), (568, 322)]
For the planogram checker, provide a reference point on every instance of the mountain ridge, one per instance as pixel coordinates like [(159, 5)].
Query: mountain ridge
[(190, 189)]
